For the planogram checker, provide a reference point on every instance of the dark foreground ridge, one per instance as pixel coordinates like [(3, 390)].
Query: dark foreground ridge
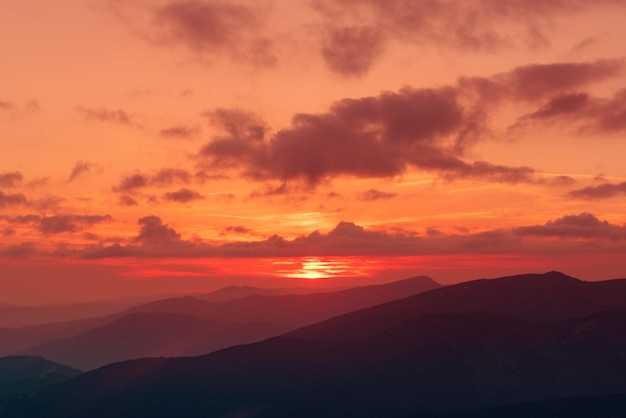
[(21, 375), (472, 346)]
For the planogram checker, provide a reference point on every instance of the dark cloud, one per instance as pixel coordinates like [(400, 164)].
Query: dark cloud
[(373, 194), (208, 28), (21, 219), (560, 105), (182, 195), (585, 226), (161, 178), (539, 81), (379, 136), (27, 249), (153, 231), (106, 115), (179, 131), (126, 200), (131, 183), (11, 179), (586, 113), (82, 168), (602, 191), (610, 115), (8, 199), (58, 224), (569, 234), (351, 51), (169, 176), (425, 129), (473, 25), (236, 229)]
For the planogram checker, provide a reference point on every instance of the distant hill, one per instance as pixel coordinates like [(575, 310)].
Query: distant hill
[(152, 335), (277, 313), (20, 375), (409, 362), (549, 296), (293, 310), (21, 316), (236, 292)]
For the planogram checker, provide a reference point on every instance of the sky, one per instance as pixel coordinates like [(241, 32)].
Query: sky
[(179, 146)]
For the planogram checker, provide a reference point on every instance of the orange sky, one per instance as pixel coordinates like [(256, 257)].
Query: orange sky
[(184, 145)]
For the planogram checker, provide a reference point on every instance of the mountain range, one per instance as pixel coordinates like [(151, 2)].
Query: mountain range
[(483, 348), (187, 326)]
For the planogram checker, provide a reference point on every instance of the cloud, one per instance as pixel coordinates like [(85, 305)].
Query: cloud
[(155, 239), (237, 230), (585, 226), (208, 28), (179, 131), (82, 168), (126, 200), (563, 104), (602, 191), (586, 113), (472, 25), (182, 195), (105, 115), (153, 231), (539, 81), (6, 105), (351, 51), (160, 178), (372, 137), (11, 179), (9, 200), (57, 224), (49, 225), (373, 194), (421, 129), (571, 234), (27, 249)]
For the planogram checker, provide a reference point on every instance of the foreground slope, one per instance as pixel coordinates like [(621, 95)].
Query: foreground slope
[(409, 361), (21, 375)]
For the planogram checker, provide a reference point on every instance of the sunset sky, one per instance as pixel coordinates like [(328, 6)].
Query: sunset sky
[(162, 146)]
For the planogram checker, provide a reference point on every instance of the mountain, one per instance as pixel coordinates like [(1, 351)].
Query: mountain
[(281, 312), (20, 375), (21, 316), (544, 297), (409, 362), (151, 335), (442, 362), (292, 310), (236, 292), (602, 406)]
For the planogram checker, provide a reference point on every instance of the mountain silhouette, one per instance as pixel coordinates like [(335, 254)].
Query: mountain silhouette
[(151, 335), (410, 362), (277, 313), (236, 292), (548, 296), (20, 375)]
